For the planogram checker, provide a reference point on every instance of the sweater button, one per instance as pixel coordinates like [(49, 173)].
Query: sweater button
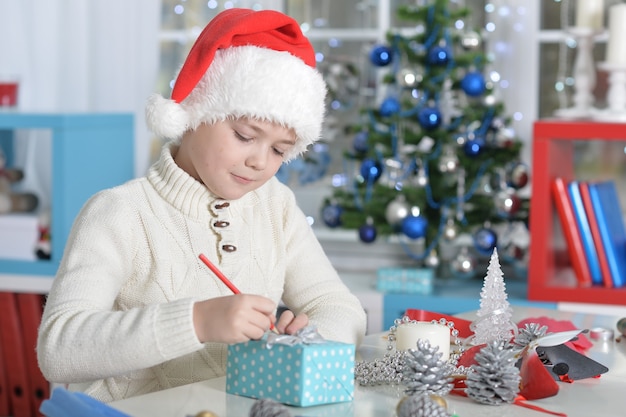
[(221, 206), (229, 248), (221, 223)]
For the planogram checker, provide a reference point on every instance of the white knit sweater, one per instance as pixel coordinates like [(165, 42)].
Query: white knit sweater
[(118, 319)]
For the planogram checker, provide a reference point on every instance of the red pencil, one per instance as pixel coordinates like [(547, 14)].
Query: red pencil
[(225, 280), (219, 274)]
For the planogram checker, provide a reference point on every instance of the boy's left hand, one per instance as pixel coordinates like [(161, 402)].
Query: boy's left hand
[(288, 323)]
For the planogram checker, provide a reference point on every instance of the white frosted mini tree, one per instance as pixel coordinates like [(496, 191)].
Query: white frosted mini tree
[(494, 316)]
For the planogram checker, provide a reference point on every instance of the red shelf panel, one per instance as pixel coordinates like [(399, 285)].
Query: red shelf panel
[(550, 275)]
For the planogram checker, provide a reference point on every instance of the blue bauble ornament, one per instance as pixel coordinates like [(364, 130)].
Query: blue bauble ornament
[(429, 118), (474, 147), (389, 106), (371, 170), (485, 240), (473, 84), (381, 55), (331, 214), (439, 55), (367, 233), (414, 226), (359, 143)]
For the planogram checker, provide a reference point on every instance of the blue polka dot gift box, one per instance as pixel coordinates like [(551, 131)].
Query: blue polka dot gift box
[(300, 370)]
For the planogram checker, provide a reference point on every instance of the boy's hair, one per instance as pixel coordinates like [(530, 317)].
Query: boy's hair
[(246, 63)]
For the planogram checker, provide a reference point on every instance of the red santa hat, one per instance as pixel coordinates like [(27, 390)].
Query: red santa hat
[(245, 63)]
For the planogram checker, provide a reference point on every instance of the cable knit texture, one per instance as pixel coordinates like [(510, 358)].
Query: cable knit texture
[(118, 320)]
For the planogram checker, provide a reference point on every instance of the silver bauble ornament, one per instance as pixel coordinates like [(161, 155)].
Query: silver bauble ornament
[(507, 203), (449, 161), (463, 264), (420, 179), (206, 414), (450, 230), (431, 260), (408, 78), (397, 210), (621, 326), (471, 40), (489, 100), (460, 139), (504, 137)]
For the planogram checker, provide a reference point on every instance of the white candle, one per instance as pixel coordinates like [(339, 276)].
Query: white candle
[(589, 14), (616, 46), (407, 335)]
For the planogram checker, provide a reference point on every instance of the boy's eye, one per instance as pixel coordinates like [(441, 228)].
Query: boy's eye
[(242, 137), (279, 152)]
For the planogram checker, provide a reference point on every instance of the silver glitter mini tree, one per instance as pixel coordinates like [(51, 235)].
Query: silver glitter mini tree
[(494, 316)]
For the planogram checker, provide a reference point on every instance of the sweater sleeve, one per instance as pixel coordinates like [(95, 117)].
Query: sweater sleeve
[(84, 335), (313, 286)]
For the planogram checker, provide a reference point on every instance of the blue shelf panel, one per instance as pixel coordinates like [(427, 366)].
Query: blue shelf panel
[(90, 152), (17, 267)]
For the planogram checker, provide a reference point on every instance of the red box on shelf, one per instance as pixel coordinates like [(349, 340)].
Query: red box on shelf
[(550, 274)]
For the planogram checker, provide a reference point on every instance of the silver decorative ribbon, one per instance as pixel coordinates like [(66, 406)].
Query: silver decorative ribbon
[(307, 335)]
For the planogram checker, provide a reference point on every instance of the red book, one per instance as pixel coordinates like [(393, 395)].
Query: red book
[(30, 307), (595, 232), (570, 230), (4, 386), (13, 355)]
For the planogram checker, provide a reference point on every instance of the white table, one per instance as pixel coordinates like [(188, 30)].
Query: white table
[(597, 397)]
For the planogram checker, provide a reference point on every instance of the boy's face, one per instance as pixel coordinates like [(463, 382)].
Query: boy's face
[(234, 157)]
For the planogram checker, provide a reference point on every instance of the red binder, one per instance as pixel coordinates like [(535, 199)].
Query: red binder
[(13, 354), (30, 307), (570, 230), (595, 232)]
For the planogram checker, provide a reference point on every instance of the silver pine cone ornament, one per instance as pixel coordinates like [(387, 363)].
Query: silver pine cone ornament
[(268, 408), (495, 379), (424, 372), (420, 405), (529, 333)]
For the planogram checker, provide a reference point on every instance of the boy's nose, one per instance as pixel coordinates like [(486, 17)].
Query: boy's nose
[(257, 159)]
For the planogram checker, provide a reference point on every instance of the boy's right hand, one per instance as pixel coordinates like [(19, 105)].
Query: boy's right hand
[(233, 319)]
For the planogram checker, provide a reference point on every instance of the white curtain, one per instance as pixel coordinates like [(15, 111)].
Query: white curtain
[(80, 56)]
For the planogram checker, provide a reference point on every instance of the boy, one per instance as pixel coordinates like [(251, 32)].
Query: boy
[(132, 308)]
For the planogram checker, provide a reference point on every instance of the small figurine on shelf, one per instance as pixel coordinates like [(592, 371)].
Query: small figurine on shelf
[(10, 201), (43, 248)]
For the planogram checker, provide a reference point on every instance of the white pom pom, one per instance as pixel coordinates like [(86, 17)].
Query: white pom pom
[(166, 118)]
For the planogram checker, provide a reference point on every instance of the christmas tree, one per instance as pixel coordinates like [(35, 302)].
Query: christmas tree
[(436, 157)]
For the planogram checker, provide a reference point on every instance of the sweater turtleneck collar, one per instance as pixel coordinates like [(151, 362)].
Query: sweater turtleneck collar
[(179, 188)]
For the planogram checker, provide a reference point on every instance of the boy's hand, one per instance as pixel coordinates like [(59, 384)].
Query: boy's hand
[(289, 324), (233, 319)]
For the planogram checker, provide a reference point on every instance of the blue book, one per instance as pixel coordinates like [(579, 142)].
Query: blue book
[(585, 233), (610, 221)]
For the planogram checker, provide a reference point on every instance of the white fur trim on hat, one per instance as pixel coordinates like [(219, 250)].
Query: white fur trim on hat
[(166, 118), (248, 81)]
